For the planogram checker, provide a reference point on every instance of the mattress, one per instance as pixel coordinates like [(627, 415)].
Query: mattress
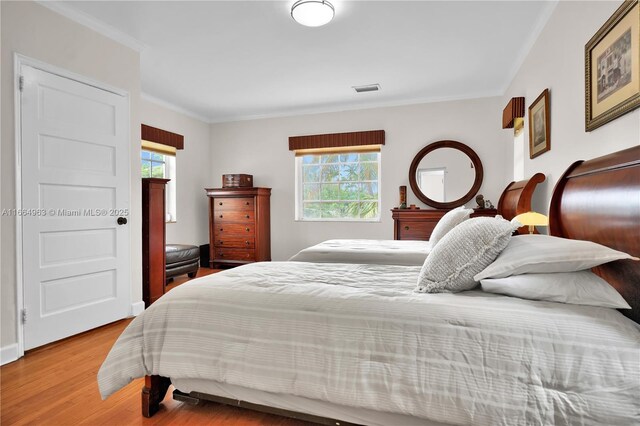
[(358, 336), (383, 252)]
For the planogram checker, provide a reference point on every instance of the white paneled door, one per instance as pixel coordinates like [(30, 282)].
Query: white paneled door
[(75, 201)]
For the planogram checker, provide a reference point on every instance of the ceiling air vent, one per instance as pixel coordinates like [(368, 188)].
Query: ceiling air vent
[(367, 88)]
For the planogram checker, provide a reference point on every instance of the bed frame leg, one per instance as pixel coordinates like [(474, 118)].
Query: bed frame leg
[(153, 392)]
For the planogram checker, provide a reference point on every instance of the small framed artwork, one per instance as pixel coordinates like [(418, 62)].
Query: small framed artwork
[(539, 132), (612, 67)]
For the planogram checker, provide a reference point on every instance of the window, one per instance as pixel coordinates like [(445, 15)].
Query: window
[(162, 166), (338, 186)]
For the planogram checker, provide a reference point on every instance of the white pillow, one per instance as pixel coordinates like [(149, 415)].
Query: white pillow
[(463, 252), (449, 221), (544, 254), (577, 288)]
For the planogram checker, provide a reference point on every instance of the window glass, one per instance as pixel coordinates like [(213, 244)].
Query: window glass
[(162, 166), (338, 186)]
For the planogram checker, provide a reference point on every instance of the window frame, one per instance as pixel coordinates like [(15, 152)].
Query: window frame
[(299, 189)]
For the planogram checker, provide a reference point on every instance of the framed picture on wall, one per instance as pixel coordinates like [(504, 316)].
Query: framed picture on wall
[(539, 132), (612, 67)]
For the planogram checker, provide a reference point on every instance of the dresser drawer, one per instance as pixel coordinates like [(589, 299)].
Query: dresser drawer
[(240, 204), (246, 217), (223, 230), (234, 254), (410, 230), (235, 241)]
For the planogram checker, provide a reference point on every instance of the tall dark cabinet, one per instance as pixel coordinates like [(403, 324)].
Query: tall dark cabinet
[(153, 239)]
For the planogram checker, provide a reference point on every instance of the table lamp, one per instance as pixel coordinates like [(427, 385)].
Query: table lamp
[(532, 219)]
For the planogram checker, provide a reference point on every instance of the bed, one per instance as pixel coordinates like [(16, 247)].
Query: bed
[(349, 343), (515, 199), (361, 251)]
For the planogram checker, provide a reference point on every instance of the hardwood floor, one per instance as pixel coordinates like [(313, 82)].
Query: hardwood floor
[(56, 385), (202, 272)]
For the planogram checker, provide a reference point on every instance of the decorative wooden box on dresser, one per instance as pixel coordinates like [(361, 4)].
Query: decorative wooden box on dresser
[(239, 226), (415, 224), (153, 239)]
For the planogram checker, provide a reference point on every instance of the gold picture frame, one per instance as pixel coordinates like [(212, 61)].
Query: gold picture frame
[(539, 130), (612, 67)]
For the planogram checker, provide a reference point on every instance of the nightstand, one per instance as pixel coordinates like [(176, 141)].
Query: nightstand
[(415, 224)]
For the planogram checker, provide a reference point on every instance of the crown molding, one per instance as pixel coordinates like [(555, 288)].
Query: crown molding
[(527, 44), (173, 107), (94, 24)]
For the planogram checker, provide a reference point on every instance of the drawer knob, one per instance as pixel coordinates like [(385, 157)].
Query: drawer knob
[(406, 228), (220, 216), (247, 229), (221, 229), (221, 242), (247, 216), (246, 242), (220, 203), (221, 254), (247, 203)]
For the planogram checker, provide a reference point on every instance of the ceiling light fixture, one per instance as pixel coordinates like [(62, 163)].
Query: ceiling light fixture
[(312, 13)]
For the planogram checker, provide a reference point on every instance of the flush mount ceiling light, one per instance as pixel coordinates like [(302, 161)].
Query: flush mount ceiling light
[(312, 13)]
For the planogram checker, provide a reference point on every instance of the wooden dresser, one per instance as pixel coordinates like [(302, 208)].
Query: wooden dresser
[(239, 226), (415, 224), (153, 239)]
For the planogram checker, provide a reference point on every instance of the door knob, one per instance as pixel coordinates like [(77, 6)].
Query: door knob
[(122, 221)]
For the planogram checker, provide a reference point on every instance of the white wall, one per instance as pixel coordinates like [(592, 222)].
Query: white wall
[(260, 148), (193, 168), (39, 33), (556, 61)]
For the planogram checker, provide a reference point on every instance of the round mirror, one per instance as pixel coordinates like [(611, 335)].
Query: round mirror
[(445, 174)]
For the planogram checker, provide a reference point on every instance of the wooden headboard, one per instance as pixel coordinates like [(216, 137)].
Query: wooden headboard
[(516, 198), (599, 200)]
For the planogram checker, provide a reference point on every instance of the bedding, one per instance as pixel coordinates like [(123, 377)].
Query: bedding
[(357, 335), (462, 253), (383, 252), (450, 220), (546, 254), (578, 288)]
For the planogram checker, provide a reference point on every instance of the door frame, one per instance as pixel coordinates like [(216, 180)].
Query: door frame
[(19, 61)]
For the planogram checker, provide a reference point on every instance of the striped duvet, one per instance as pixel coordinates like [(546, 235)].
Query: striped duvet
[(379, 252), (357, 335)]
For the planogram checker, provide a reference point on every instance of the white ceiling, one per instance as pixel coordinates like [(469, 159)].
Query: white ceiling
[(232, 60)]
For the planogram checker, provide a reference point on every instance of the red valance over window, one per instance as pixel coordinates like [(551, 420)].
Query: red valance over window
[(337, 140), (153, 134)]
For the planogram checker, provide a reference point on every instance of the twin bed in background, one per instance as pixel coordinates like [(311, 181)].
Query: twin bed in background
[(514, 200), (354, 342)]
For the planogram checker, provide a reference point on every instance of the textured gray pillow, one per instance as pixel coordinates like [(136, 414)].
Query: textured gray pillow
[(449, 221), (462, 253)]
